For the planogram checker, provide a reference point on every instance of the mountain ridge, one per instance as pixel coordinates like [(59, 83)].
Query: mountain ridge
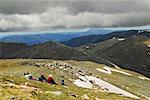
[(48, 50), (83, 40), (32, 38), (131, 53)]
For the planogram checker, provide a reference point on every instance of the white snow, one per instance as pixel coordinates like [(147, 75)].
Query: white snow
[(110, 87), (54, 92), (121, 39), (85, 53), (103, 84), (87, 47), (107, 71), (116, 66), (148, 45), (83, 82), (143, 78), (148, 53), (119, 71)]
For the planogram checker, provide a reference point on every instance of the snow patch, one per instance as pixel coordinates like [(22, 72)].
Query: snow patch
[(85, 82), (148, 45), (109, 70), (116, 66), (121, 39), (110, 87), (106, 71), (85, 53), (54, 92), (143, 78), (119, 71)]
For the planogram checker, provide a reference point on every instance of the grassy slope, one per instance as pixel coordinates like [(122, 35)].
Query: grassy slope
[(13, 67), (132, 84), (132, 53)]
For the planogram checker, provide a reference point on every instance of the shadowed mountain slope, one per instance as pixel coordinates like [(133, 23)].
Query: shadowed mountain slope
[(132, 53), (48, 50)]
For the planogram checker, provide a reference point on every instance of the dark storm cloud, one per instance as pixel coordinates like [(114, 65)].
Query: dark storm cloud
[(73, 13), (76, 6)]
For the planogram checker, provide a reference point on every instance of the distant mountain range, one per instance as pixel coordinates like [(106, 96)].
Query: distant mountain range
[(68, 37), (83, 40), (41, 37)]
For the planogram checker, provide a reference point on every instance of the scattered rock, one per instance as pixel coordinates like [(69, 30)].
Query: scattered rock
[(11, 75), (26, 84), (30, 88), (74, 95), (54, 92), (13, 98), (65, 87), (97, 98), (33, 93), (85, 97), (41, 92), (12, 85), (90, 74)]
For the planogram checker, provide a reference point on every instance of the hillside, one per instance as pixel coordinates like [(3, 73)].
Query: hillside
[(48, 50), (84, 80), (83, 40), (130, 53), (9, 49)]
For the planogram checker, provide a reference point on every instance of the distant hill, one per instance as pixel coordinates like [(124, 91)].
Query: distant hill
[(32, 39), (83, 40), (131, 53), (48, 50), (41, 37)]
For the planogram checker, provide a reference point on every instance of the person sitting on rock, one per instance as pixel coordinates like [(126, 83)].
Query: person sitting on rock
[(42, 78), (62, 82), (28, 76), (51, 80)]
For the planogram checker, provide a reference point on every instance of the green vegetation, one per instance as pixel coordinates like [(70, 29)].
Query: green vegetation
[(12, 73), (131, 53)]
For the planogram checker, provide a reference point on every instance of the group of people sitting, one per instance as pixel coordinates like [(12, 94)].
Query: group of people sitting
[(42, 78)]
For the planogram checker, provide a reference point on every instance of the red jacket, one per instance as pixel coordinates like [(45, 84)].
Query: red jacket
[(50, 80)]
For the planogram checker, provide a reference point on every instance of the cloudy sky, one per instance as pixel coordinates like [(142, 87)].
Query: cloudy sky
[(73, 13)]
